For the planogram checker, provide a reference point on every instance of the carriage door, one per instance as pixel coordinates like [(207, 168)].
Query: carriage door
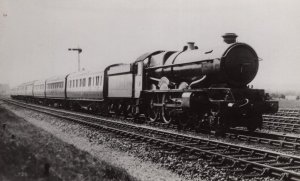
[(138, 87)]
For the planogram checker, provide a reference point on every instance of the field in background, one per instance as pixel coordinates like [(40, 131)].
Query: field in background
[(283, 103)]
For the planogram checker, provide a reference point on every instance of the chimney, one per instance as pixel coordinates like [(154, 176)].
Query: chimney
[(229, 38), (191, 45)]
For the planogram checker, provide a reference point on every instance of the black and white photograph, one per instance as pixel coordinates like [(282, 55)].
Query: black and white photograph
[(149, 90)]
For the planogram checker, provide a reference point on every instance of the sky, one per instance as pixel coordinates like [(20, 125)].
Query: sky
[(35, 34)]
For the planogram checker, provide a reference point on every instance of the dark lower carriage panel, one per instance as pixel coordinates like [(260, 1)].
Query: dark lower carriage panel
[(218, 108)]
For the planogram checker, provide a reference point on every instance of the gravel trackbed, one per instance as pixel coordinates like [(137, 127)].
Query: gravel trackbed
[(70, 151)]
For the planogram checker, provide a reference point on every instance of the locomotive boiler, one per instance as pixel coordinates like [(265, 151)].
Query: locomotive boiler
[(234, 64)]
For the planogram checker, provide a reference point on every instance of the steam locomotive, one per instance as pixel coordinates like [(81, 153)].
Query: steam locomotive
[(192, 87)]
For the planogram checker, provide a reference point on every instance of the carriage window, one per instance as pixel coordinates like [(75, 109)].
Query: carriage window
[(89, 83), (97, 80), (76, 82), (101, 80), (93, 81)]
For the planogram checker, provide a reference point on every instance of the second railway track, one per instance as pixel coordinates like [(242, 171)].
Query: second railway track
[(238, 159), (281, 123), (288, 112)]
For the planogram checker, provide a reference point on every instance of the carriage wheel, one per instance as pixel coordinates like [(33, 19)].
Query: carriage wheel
[(125, 110), (104, 109), (111, 108), (153, 111), (118, 109), (132, 110), (166, 113)]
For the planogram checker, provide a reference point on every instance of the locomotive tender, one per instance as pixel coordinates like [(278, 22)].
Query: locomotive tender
[(192, 87)]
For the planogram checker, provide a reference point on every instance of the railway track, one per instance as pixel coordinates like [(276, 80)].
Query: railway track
[(288, 112), (289, 143), (281, 123), (241, 160), (286, 142)]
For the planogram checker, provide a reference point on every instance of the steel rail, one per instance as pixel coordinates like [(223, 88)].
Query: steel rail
[(288, 112), (286, 119), (273, 139)]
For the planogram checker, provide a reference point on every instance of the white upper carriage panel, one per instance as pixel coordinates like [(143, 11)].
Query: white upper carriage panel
[(120, 81), (13, 91), (85, 85), (28, 91), (39, 89), (20, 90), (55, 87)]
